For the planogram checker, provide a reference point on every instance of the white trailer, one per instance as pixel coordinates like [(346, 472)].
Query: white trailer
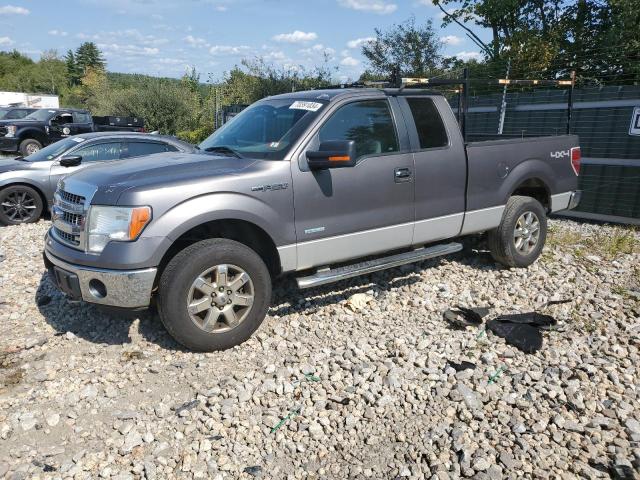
[(33, 100)]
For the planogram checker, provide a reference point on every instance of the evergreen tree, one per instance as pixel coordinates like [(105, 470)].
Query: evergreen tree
[(88, 55), (73, 75)]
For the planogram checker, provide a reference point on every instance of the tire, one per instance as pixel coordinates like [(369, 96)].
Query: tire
[(29, 146), (210, 329), (20, 204), (521, 235)]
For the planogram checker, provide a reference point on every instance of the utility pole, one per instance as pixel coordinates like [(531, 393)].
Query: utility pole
[(503, 105)]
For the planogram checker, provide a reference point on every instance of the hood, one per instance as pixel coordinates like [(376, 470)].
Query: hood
[(13, 165), (170, 169)]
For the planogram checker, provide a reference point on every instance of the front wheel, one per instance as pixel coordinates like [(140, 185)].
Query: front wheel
[(214, 294), (520, 237), (29, 146), (19, 204)]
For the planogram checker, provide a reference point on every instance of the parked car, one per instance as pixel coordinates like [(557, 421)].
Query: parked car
[(15, 113), (48, 125), (299, 182), (27, 184)]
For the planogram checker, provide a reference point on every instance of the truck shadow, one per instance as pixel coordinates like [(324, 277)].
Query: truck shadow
[(107, 327), (97, 325)]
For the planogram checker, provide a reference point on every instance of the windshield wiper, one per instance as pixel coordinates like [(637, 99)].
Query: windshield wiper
[(223, 149)]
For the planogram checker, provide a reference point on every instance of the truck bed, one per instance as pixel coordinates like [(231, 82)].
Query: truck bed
[(496, 168)]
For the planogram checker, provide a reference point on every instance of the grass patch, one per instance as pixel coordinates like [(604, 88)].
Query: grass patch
[(608, 243)]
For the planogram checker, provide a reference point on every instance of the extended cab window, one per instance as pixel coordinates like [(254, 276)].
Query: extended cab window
[(369, 123), (138, 149), (100, 152), (431, 131), (81, 117)]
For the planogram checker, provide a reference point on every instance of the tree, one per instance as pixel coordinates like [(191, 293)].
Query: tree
[(73, 73), (414, 50), (88, 55)]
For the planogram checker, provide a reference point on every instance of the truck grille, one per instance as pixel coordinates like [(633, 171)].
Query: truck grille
[(67, 238), (3, 131), (71, 198), (69, 212)]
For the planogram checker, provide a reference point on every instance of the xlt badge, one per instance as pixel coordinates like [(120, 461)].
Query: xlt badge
[(273, 187)]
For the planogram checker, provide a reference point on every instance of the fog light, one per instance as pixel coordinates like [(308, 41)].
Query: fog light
[(97, 289)]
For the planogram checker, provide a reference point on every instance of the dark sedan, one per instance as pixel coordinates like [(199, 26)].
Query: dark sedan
[(27, 184)]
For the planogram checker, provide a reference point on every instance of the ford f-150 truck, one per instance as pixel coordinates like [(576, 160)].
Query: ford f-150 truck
[(327, 183), (48, 125)]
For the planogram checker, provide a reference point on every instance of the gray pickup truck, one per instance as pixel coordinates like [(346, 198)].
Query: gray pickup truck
[(330, 184)]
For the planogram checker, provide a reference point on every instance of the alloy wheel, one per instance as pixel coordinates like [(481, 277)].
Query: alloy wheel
[(19, 206), (220, 298), (526, 233)]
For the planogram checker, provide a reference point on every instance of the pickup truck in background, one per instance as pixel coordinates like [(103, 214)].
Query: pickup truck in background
[(48, 125), (308, 182)]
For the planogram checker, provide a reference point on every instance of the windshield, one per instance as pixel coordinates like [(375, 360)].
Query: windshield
[(3, 112), (54, 150), (40, 115), (265, 130)]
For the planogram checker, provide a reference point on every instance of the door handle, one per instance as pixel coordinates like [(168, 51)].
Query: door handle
[(402, 174)]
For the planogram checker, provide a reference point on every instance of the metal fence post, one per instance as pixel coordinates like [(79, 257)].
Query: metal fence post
[(570, 101)]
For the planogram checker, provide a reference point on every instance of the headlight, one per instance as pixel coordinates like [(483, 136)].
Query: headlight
[(115, 223), (11, 131)]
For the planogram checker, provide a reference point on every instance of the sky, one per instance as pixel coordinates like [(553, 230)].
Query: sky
[(165, 38)]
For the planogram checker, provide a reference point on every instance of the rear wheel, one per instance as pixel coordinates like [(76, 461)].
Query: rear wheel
[(29, 146), (19, 204), (520, 237), (214, 294)]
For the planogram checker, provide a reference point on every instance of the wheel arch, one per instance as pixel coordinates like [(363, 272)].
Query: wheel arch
[(242, 231), (534, 187)]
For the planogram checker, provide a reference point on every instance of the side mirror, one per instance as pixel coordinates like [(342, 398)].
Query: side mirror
[(333, 154), (71, 161)]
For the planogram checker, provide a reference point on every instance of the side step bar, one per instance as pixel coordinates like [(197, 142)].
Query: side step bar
[(325, 276)]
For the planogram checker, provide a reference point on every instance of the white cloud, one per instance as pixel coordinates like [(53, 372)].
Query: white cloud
[(349, 62), (451, 40), (196, 42), (359, 42), (58, 33), (373, 6), (296, 37), (11, 10), (228, 50), (128, 49), (468, 55), (222, 8), (6, 41), (317, 49)]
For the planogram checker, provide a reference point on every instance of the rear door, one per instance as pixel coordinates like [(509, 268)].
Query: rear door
[(137, 148), (344, 213), (82, 122), (440, 167)]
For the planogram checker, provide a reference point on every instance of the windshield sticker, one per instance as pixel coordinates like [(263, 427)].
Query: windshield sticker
[(310, 106), (274, 144), (79, 140)]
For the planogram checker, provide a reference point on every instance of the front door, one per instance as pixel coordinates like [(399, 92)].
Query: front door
[(96, 152), (344, 213)]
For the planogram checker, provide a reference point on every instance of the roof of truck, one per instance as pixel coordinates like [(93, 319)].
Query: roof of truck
[(331, 94)]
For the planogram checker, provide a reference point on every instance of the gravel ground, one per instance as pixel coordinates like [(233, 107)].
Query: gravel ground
[(347, 381)]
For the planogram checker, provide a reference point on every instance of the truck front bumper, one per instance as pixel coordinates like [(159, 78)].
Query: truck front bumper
[(9, 144), (115, 288)]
